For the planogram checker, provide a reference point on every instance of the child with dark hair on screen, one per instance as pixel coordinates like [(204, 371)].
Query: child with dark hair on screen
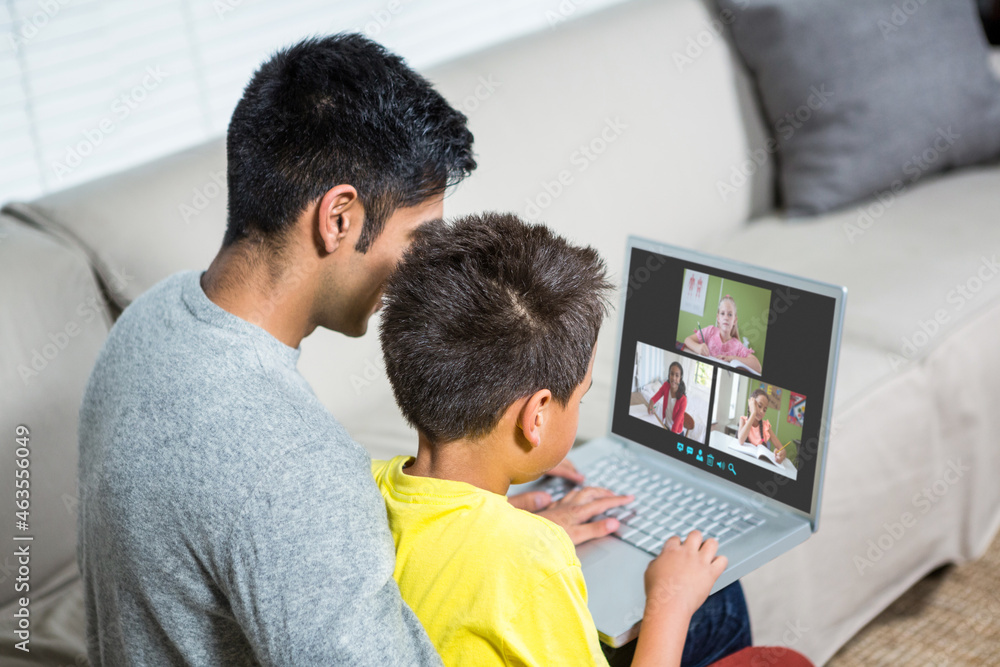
[(674, 396), (489, 331)]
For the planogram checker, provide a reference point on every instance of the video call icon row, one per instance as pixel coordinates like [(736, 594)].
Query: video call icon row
[(708, 460)]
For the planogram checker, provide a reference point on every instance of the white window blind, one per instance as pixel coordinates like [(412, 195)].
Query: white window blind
[(88, 87)]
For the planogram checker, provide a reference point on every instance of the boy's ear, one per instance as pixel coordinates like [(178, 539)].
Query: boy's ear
[(339, 212), (533, 414)]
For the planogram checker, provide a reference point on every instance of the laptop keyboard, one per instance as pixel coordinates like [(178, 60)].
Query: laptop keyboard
[(663, 507)]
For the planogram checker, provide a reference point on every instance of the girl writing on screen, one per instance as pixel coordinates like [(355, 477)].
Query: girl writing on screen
[(674, 399), (723, 340), (756, 429)]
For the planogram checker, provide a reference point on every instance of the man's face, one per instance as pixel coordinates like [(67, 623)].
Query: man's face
[(354, 289)]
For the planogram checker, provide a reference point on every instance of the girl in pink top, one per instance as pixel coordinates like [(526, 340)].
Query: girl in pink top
[(723, 340), (756, 429), (672, 391)]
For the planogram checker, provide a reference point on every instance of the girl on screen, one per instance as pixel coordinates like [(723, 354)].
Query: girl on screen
[(756, 429), (722, 341), (674, 399)]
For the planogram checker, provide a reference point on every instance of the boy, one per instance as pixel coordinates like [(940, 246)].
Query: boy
[(489, 331)]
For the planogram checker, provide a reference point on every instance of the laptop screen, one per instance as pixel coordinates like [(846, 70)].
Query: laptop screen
[(726, 369)]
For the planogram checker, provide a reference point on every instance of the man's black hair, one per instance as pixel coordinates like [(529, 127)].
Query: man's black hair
[(335, 110), (485, 312)]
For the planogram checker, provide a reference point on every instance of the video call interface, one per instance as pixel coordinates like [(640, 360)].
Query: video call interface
[(724, 372)]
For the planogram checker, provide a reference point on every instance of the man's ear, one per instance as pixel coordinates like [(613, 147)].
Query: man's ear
[(533, 414), (340, 212)]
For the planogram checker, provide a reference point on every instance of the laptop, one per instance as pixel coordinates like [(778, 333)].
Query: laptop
[(738, 334)]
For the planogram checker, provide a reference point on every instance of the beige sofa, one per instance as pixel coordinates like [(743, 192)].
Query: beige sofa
[(593, 128)]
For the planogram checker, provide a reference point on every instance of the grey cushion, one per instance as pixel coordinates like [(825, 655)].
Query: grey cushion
[(868, 95)]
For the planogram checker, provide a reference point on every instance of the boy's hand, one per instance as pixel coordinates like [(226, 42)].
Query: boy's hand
[(566, 470), (535, 501), (575, 510), (679, 580), (677, 583)]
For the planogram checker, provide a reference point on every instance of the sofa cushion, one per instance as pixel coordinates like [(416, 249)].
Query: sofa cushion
[(141, 225), (863, 95), (53, 326)]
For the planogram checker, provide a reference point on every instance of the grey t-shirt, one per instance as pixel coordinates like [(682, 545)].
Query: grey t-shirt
[(226, 518)]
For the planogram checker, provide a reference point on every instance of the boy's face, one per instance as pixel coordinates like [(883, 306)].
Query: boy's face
[(560, 431)]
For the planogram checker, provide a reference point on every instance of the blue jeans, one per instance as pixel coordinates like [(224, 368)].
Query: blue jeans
[(719, 628)]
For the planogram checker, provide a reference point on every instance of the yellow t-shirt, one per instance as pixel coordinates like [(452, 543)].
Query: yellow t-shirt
[(492, 585)]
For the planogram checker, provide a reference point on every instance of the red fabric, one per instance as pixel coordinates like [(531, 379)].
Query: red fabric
[(764, 656), (680, 407)]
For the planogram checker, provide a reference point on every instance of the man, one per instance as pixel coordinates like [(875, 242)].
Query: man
[(226, 517)]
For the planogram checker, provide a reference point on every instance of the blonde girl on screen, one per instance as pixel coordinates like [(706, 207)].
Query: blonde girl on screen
[(722, 341)]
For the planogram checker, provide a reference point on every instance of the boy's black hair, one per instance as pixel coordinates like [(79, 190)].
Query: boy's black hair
[(485, 312), (334, 110)]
